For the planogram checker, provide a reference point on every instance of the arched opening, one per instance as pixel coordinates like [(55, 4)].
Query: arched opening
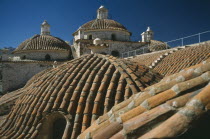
[(90, 37), (115, 53), (47, 57), (113, 37), (58, 128), (54, 126), (23, 57)]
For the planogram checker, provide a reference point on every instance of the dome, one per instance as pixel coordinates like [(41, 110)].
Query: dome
[(82, 89), (103, 24), (42, 43)]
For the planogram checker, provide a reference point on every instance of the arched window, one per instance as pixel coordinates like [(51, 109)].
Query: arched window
[(54, 126), (23, 57), (113, 37), (47, 57), (115, 53), (90, 37)]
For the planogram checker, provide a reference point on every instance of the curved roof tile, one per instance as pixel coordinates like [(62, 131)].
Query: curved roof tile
[(164, 110), (183, 58), (84, 88)]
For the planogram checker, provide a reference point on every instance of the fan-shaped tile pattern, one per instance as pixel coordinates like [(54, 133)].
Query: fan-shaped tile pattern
[(43, 42), (82, 89), (164, 110), (103, 24)]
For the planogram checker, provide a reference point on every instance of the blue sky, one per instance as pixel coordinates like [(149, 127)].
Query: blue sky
[(169, 19)]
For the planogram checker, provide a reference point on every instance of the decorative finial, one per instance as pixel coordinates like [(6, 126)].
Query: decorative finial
[(148, 29), (101, 7)]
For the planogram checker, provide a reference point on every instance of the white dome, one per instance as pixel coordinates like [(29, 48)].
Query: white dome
[(97, 41)]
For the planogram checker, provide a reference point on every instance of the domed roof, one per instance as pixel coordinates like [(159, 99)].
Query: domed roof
[(85, 88), (43, 43), (103, 24)]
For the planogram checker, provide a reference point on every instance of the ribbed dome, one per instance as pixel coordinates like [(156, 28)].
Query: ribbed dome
[(103, 24), (84, 88), (42, 42)]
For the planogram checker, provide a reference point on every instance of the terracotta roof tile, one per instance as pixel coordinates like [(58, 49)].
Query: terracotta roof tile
[(176, 102), (173, 60), (84, 88)]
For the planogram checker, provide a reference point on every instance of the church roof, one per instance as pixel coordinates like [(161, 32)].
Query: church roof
[(42, 43), (85, 88), (167, 109), (173, 60), (99, 24)]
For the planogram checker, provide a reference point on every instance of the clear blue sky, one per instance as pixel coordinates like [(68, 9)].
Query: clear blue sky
[(169, 19)]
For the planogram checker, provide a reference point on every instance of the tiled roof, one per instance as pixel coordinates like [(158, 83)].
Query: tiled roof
[(103, 24), (43, 43), (148, 58), (85, 88), (182, 59), (157, 45), (167, 109), (173, 60)]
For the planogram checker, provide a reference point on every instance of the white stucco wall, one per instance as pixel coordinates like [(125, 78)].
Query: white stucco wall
[(104, 35)]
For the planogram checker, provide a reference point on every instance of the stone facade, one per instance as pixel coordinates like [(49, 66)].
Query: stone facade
[(16, 74)]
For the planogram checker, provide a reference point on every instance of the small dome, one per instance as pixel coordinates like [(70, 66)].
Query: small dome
[(42, 42), (101, 7), (97, 41), (149, 29), (45, 23)]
